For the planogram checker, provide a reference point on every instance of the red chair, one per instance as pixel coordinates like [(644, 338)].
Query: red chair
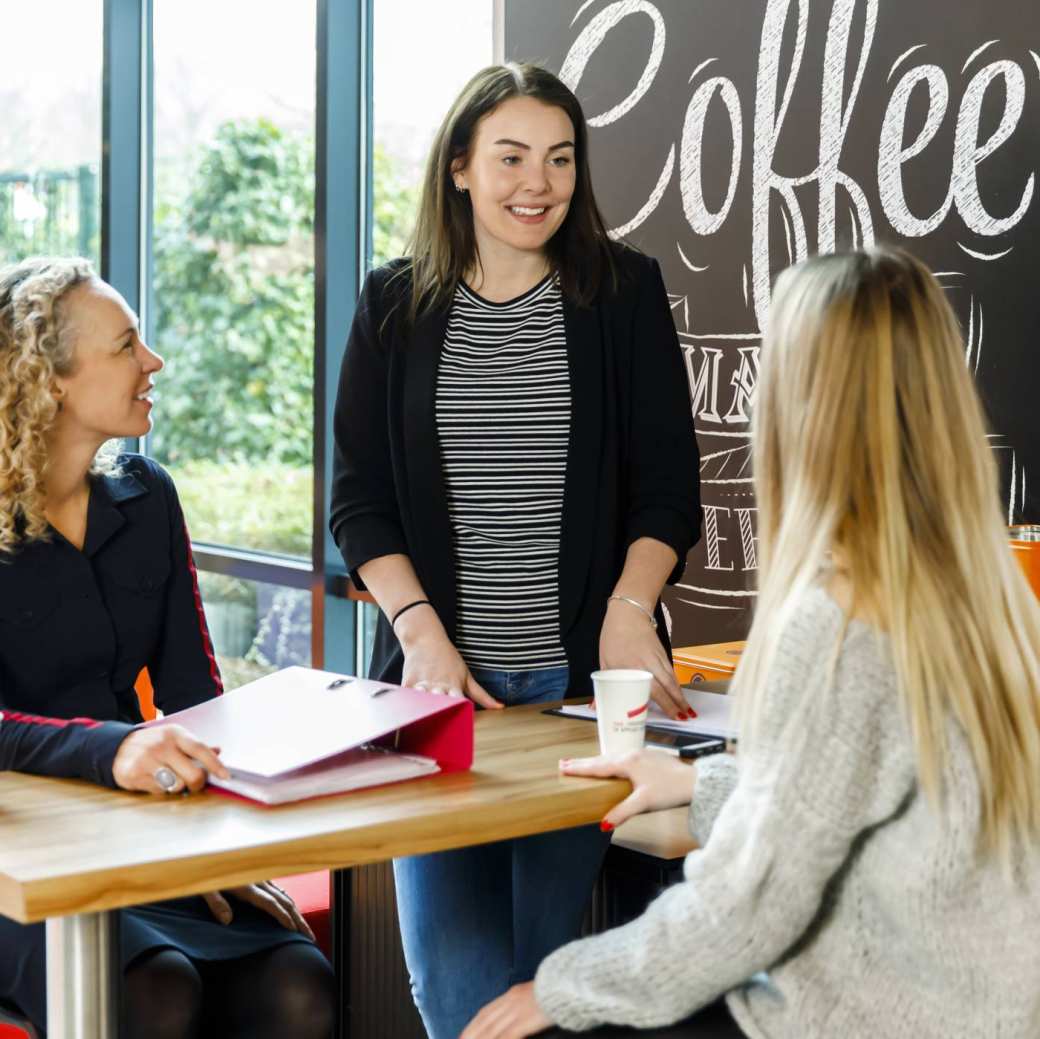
[(143, 688), (310, 892), (14, 1026)]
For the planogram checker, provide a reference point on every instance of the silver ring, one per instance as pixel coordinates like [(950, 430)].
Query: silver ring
[(166, 778)]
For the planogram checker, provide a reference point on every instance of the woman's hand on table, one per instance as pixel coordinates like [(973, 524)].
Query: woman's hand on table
[(512, 1016), (145, 751), (658, 780), (266, 896), (431, 661), (627, 640)]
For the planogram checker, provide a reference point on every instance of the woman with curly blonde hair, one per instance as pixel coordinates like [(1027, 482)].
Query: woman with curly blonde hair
[(28, 364), (96, 583)]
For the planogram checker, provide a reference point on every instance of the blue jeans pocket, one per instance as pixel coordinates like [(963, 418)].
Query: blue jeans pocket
[(514, 688)]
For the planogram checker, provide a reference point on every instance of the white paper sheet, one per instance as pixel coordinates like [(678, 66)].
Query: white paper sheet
[(352, 770), (713, 715)]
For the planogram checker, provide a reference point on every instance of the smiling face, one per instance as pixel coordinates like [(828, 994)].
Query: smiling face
[(520, 176), (107, 392)]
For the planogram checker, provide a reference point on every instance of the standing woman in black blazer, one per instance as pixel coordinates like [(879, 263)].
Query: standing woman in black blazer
[(515, 480)]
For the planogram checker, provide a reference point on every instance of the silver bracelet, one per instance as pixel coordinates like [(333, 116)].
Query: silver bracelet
[(638, 605)]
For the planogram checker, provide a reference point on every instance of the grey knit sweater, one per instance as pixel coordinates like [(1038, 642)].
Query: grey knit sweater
[(828, 898)]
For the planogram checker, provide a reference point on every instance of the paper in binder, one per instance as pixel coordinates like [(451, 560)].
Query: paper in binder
[(302, 733)]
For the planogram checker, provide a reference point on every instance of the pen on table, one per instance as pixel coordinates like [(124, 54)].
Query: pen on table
[(337, 682)]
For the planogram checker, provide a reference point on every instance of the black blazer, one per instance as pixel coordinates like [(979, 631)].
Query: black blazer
[(632, 462), (76, 627)]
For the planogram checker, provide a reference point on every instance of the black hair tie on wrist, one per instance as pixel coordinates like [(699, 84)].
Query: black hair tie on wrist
[(405, 609)]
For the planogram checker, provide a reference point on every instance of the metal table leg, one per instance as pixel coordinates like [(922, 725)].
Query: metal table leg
[(340, 904), (83, 976)]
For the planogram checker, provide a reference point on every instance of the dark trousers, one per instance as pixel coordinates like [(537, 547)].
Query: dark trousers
[(713, 1022)]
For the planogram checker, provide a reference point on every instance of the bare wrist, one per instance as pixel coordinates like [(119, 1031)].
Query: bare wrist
[(684, 782)]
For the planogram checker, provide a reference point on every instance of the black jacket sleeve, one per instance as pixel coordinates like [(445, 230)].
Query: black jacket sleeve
[(71, 749), (664, 463), (183, 668), (365, 518)]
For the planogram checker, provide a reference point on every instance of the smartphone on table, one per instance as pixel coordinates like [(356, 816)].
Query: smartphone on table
[(685, 744)]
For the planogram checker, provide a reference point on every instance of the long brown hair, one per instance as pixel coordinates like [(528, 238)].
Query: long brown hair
[(870, 441), (443, 245)]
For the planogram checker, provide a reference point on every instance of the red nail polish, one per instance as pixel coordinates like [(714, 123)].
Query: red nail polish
[(605, 826), (682, 716), (692, 713)]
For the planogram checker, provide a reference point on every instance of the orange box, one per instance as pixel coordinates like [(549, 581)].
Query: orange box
[(706, 663), (1024, 539)]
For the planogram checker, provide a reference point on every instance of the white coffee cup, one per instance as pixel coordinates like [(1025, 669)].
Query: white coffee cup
[(622, 699)]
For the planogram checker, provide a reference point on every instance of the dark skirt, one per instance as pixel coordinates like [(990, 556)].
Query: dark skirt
[(185, 924)]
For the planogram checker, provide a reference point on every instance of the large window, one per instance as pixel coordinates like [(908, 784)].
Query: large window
[(415, 77), (233, 266), (232, 300), (233, 215), (256, 627), (50, 133), (412, 88)]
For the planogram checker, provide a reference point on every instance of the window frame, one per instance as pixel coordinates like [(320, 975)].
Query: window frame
[(342, 243)]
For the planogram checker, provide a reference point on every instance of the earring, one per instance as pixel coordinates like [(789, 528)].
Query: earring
[(459, 188)]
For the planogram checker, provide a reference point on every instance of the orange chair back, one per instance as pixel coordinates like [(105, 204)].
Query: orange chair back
[(143, 688)]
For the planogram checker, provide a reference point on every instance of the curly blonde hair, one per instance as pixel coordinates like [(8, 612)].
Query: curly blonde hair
[(35, 346)]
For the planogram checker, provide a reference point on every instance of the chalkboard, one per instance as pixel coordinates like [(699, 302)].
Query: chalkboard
[(729, 139)]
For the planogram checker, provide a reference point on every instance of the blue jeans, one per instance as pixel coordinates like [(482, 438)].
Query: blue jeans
[(478, 920)]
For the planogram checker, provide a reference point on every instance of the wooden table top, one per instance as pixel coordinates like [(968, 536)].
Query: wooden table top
[(68, 846)]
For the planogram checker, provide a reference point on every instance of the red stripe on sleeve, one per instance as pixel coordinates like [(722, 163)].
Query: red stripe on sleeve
[(54, 723), (207, 645)]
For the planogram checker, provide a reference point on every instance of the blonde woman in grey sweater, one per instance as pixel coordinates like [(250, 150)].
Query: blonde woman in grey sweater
[(869, 860)]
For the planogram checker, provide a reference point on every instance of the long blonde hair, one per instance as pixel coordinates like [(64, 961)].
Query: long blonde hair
[(35, 345), (869, 440)]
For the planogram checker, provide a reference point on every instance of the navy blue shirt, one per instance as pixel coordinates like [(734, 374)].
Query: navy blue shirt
[(77, 626)]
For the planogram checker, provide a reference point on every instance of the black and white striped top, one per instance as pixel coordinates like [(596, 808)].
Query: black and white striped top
[(503, 421)]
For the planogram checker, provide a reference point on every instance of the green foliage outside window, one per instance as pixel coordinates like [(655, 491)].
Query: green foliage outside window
[(248, 505), (234, 305), (49, 212), (394, 202)]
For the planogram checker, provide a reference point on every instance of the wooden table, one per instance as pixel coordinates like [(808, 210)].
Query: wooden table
[(70, 851)]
